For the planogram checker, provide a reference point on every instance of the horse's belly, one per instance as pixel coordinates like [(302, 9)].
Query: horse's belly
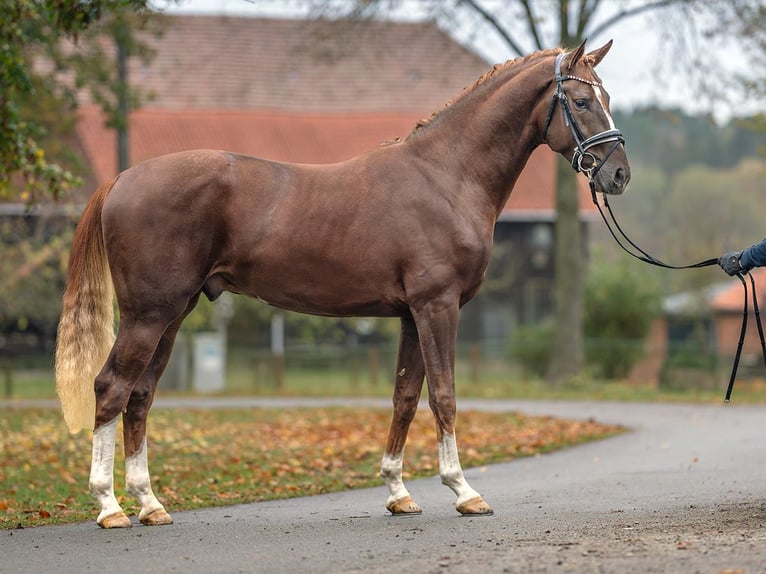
[(324, 289), (314, 302)]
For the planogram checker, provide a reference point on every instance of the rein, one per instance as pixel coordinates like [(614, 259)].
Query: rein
[(590, 170)]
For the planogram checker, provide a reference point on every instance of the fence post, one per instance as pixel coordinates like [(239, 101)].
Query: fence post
[(7, 382), (374, 355), (475, 362), (278, 347)]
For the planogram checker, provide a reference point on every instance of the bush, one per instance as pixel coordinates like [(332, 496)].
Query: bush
[(531, 346), (621, 301)]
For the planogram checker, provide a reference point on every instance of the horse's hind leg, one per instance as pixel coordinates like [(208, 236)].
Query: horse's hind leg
[(409, 383), (131, 354), (101, 482), (137, 479)]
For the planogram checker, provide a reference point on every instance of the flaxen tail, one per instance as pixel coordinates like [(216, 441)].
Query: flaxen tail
[(86, 328)]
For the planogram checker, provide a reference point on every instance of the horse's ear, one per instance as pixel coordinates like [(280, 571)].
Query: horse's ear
[(598, 55), (574, 57)]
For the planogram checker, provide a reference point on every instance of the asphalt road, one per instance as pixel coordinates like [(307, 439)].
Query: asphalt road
[(684, 492)]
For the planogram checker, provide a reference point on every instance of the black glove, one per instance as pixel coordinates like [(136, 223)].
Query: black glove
[(729, 262)]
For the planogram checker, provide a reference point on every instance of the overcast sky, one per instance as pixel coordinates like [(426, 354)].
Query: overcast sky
[(628, 71)]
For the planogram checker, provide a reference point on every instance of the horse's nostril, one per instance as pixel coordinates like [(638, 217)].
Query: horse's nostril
[(619, 176)]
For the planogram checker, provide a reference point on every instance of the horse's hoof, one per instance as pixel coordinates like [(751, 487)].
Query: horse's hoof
[(475, 507), (157, 517), (116, 520), (403, 506)]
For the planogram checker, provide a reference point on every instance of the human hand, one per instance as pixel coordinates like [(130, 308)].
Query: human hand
[(729, 262)]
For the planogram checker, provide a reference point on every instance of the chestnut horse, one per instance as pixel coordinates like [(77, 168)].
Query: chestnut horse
[(404, 230)]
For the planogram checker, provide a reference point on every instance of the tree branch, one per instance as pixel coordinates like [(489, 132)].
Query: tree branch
[(494, 23), (587, 9), (629, 13), (532, 24), (565, 39)]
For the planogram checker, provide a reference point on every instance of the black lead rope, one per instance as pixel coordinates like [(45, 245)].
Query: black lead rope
[(757, 314), (742, 332), (642, 255)]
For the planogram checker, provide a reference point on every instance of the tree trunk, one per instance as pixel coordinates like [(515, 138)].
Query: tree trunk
[(123, 107), (567, 358)]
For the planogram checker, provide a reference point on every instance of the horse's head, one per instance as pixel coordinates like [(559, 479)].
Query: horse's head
[(584, 131)]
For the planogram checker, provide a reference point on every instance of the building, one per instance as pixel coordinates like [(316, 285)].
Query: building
[(696, 337)]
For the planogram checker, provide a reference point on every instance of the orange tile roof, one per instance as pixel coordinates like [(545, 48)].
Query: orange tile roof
[(306, 138), (238, 63), (730, 298)]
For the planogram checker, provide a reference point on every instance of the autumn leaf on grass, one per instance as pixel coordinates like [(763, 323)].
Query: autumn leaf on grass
[(208, 458)]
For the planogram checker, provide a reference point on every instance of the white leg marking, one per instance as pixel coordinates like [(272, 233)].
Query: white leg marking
[(600, 98), (101, 483), (391, 471), (451, 472), (138, 483)]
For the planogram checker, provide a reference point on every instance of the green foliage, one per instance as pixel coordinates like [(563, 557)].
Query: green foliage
[(33, 254), (31, 31), (620, 305), (531, 346)]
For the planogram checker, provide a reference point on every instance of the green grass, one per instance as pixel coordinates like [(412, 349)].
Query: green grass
[(495, 381)]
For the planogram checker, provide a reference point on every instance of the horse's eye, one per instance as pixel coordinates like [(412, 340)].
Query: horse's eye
[(581, 104)]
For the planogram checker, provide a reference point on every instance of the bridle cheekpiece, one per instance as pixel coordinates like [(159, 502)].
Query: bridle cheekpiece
[(582, 144)]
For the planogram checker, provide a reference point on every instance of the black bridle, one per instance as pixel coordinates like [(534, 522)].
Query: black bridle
[(592, 167), (582, 144)]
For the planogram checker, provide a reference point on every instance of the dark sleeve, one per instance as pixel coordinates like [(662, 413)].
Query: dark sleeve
[(754, 256)]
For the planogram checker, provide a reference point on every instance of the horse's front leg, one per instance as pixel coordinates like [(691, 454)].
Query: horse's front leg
[(437, 330), (409, 383)]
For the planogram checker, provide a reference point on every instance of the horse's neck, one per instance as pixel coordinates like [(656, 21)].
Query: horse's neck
[(487, 136)]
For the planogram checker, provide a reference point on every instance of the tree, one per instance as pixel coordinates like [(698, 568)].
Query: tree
[(29, 30), (689, 27), (49, 50)]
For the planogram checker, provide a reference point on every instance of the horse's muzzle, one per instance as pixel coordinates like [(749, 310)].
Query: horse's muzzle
[(612, 181)]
